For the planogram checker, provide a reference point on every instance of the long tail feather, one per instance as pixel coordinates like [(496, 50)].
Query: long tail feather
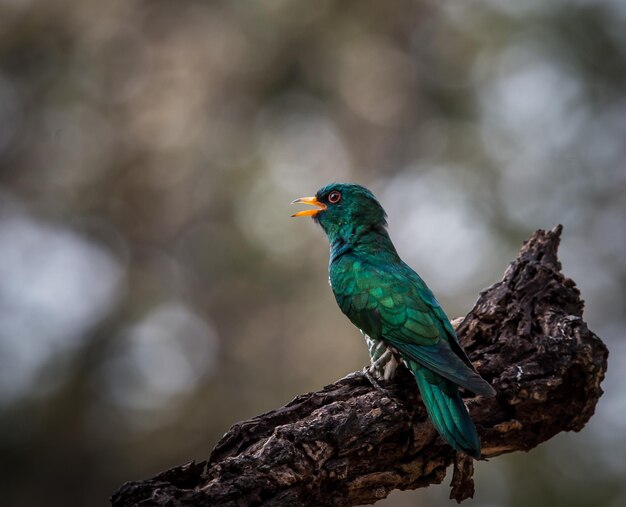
[(447, 410)]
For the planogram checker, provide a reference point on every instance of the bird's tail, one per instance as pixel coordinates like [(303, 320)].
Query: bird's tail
[(447, 410)]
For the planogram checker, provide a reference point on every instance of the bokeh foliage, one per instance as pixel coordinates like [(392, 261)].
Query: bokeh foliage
[(153, 289)]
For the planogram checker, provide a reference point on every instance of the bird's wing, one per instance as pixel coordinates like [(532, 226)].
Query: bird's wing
[(440, 359), (415, 325), (450, 333)]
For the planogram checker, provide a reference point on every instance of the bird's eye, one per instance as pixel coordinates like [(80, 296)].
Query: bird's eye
[(334, 197)]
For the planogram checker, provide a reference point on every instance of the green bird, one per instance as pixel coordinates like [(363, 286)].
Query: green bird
[(399, 316)]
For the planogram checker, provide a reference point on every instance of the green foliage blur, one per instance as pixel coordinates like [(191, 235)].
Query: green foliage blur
[(153, 289)]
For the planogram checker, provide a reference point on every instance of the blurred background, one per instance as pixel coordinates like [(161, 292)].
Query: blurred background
[(153, 289)]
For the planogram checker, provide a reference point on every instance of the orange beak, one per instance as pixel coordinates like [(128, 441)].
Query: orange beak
[(309, 212)]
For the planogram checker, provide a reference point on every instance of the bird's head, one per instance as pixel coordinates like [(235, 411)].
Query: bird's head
[(343, 208)]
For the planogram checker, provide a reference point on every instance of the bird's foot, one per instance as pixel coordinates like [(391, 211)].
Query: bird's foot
[(369, 375), (384, 368), (352, 375)]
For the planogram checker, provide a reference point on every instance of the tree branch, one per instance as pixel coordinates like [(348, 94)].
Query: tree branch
[(351, 444)]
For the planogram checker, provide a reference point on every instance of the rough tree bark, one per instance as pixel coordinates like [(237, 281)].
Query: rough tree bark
[(351, 444)]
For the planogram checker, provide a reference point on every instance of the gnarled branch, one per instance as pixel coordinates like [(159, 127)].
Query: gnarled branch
[(352, 444)]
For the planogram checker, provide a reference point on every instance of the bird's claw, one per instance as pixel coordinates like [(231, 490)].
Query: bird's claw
[(370, 374), (367, 372), (352, 375)]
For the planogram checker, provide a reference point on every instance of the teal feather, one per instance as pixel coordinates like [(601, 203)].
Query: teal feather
[(391, 304), (446, 410)]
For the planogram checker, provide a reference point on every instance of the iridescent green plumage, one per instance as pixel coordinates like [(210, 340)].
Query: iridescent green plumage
[(393, 307)]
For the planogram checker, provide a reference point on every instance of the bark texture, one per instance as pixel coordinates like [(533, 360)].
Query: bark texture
[(352, 444)]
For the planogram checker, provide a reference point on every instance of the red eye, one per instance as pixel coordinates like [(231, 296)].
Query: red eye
[(334, 197)]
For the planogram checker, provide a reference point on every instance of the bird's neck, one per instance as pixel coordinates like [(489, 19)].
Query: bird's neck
[(363, 241)]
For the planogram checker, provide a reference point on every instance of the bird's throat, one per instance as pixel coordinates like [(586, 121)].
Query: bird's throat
[(362, 241)]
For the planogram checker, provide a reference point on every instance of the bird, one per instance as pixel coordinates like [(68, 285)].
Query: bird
[(399, 316)]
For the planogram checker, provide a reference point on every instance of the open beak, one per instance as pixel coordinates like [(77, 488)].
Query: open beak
[(309, 212)]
